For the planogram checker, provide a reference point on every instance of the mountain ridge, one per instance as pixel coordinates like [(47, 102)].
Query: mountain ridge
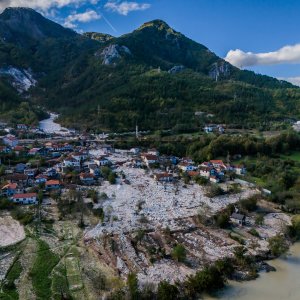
[(138, 77)]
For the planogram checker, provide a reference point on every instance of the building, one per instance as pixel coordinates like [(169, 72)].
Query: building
[(87, 179), (52, 185), (102, 161), (10, 140), (27, 198), (10, 189), (22, 127), (149, 158), (41, 178), (71, 163), (239, 170), (163, 177), (20, 179), (238, 219), (186, 167)]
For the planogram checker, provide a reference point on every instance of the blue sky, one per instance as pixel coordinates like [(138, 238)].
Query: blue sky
[(256, 26)]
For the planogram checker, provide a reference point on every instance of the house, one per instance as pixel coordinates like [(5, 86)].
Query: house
[(135, 163), (163, 177), (52, 147), (87, 179), (218, 164), (10, 140), (80, 156), (19, 149), (107, 149), (20, 179), (153, 152), (238, 219), (37, 151), (10, 189), (149, 158), (239, 170), (22, 127), (30, 172), (52, 184), (71, 162), (4, 149), (102, 161), (20, 168), (214, 179), (221, 129), (94, 170), (208, 129), (207, 171), (187, 160), (134, 151), (51, 172), (193, 173), (41, 178), (186, 167), (27, 198)]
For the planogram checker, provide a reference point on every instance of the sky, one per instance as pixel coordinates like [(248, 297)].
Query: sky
[(259, 35)]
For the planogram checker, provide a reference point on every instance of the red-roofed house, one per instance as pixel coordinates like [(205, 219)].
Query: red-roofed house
[(86, 178), (10, 189), (27, 198), (52, 184)]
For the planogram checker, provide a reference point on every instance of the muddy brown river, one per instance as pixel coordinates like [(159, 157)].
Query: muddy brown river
[(284, 284)]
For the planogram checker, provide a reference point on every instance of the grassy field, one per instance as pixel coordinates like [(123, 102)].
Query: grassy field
[(294, 156), (9, 291), (44, 263)]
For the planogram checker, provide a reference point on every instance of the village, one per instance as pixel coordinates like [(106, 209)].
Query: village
[(145, 203)]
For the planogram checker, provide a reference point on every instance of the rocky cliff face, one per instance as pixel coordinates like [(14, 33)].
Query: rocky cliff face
[(20, 79), (112, 53), (219, 70)]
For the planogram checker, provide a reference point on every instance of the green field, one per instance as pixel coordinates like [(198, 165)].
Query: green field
[(294, 156)]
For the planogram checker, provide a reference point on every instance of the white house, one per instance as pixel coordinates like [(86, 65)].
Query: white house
[(27, 198), (71, 163), (186, 167), (101, 161)]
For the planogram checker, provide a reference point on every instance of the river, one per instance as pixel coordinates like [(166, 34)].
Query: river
[(49, 126), (284, 284)]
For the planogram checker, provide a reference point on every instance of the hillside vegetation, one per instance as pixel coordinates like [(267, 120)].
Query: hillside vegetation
[(155, 77)]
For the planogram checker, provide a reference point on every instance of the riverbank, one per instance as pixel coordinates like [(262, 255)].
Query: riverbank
[(282, 284)]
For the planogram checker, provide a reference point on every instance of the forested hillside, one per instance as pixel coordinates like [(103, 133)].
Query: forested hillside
[(155, 77)]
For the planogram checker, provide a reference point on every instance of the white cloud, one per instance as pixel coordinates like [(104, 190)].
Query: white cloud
[(85, 17), (43, 5), (125, 7), (293, 80), (285, 55)]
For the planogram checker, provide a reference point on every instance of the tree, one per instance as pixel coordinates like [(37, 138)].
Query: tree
[(278, 245), (132, 284), (167, 291), (112, 178), (179, 253), (214, 190), (222, 220)]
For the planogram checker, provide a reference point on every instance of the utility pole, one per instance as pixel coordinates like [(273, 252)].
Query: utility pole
[(137, 131)]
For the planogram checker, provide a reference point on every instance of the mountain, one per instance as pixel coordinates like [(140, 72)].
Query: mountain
[(24, 25), (154, 76), (100, 37)]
